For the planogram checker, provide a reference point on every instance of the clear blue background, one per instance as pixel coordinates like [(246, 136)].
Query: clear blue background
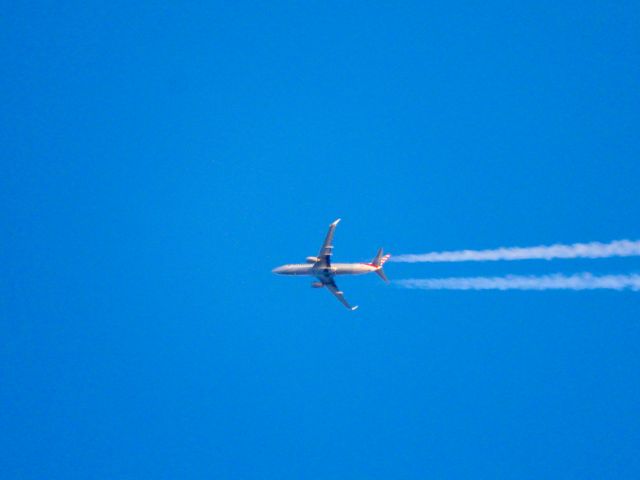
[(159, 159)]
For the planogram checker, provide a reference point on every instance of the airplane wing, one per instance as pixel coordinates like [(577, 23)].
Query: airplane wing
[(333, 288), (324, 256)]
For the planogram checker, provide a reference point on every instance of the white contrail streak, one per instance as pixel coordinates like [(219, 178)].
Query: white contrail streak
[(581, 281), (617, 248)]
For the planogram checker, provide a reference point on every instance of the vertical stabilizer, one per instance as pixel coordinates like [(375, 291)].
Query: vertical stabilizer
[(378, 261)]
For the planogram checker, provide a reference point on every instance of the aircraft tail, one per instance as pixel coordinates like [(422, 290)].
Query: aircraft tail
[(378, 261)]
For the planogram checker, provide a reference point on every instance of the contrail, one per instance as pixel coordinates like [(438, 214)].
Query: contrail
[(581, 281), (617, 248)]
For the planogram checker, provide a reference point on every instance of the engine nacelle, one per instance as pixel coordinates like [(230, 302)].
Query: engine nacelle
[(312, 259), (317, 285)]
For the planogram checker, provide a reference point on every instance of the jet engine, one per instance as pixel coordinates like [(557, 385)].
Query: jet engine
[(312, 259), (317, 285)]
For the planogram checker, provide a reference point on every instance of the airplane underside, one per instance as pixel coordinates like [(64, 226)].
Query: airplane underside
[(324, 270)]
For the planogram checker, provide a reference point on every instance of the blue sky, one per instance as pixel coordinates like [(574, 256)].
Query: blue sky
[(161, 159)]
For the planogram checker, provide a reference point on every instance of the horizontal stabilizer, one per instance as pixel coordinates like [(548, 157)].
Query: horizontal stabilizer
[(381, 274)]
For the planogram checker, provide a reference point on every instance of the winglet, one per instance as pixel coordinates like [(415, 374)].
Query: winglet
[(354, 308), (335, 222)]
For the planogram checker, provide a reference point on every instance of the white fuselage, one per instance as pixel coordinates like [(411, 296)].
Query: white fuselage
[(325, 270), (334, 269)]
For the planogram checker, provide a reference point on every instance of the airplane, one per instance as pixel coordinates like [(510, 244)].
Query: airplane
[(324, 270)]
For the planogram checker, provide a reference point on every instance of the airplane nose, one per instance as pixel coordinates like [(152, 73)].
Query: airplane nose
[(277, 270)]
